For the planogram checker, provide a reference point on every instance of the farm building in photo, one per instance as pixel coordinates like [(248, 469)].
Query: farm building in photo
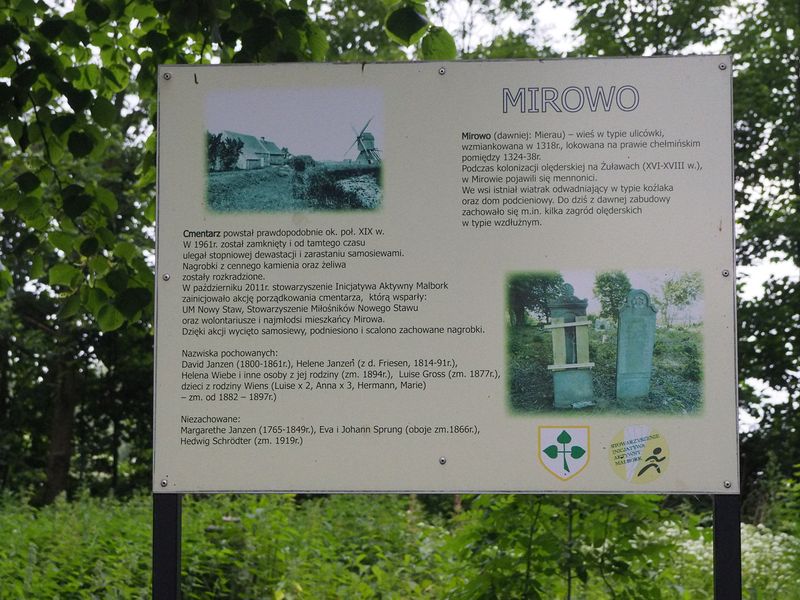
[(256, 152)]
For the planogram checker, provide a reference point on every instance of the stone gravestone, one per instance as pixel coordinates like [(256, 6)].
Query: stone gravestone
[(572, 375), (636, 336)]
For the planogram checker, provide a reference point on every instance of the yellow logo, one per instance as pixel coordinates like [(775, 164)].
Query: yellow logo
[(639, 454)]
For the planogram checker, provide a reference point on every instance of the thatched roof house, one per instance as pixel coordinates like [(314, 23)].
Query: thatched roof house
[(256, 152)]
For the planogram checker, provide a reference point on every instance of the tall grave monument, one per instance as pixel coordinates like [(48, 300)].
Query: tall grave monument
[(636, 337), (572, 375)]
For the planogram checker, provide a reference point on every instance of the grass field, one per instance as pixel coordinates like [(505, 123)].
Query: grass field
[(284, 189), (257, 190)]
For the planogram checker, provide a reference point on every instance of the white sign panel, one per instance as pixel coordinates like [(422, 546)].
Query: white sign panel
[(503, 276)]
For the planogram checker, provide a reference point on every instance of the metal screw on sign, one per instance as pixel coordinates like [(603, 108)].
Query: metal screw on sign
[(727, 484), (167, 76), (725, 273), (442, 460), (163, 483), (442, 70), (722, 67), (165, 277)]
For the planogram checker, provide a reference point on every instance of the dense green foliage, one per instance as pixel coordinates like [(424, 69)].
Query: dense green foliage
[(530, 293), (611, 288), (257, 547)]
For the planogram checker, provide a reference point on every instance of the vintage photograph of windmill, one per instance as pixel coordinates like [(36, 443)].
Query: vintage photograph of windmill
[(285, 150)]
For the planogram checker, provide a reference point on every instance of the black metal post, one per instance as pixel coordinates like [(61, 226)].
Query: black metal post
[(166, 546), (727, 547)]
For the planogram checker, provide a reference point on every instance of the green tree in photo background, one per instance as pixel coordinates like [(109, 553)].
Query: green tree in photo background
[(611, 288)]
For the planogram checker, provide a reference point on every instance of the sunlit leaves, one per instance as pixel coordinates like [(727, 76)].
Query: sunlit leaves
[(64, 275), (63, 241), (438, 44), (125, 250)]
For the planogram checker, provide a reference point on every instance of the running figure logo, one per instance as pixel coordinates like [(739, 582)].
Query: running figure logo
[(564, 451)]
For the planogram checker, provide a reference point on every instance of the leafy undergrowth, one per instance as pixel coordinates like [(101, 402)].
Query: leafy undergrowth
[(244, 547), (390, 547)]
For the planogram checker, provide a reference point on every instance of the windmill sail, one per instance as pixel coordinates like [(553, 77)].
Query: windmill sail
[(365, 141)]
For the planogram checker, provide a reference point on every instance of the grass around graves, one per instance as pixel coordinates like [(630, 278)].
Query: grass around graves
[(676, 385)]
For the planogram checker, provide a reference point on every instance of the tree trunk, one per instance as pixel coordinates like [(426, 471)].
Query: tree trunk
[(59, 452)]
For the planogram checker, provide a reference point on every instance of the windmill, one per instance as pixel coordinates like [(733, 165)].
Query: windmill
[(367, 152)]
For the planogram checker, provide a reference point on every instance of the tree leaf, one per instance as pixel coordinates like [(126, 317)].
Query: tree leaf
[(438, 44), (405, 25), (317, 42), (79, 100), (37, 267), (52, 28), (551, 451), (28, 182), (63, 274), (99, 264), (71, 307), (576, 452), (61, 240), (89, 246), (125, 250), (107, 199), (76, 205), (95, 300), (8, 34), (96, 12), (132, 300), (62, 123), (117, 279), (103, 112), (109, 318), (80, 143)]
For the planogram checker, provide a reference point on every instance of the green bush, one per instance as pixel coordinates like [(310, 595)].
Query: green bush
[(85, 549), (272, 547), (323, 191), (245, 547)]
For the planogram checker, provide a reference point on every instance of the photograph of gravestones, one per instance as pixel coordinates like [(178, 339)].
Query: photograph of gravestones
[(605, 341), (284, 150)]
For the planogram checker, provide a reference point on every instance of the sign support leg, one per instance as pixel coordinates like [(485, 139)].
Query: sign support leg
[(166, 546), (727, 547)]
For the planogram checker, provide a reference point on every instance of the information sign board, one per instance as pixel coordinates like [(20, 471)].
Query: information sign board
[(509, 276)]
